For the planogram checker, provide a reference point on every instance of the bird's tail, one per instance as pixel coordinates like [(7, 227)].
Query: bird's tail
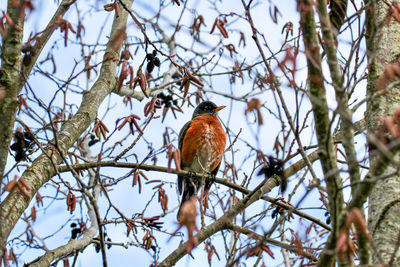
[(190, 189)]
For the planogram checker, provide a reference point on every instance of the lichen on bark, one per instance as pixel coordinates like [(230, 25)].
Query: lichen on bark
[(383, 44)]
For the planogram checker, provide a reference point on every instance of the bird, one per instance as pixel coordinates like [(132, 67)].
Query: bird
[(202, 144)]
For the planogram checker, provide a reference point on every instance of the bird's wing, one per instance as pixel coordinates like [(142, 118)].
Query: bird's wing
[(182, 134), (180, 140)]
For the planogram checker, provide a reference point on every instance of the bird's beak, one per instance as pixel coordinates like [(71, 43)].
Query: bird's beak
[(219, 108)]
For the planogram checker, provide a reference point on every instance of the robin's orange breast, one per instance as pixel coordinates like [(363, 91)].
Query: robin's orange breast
[(203, 144)]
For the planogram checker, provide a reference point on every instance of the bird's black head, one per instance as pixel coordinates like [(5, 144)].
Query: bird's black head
[(207, 108)]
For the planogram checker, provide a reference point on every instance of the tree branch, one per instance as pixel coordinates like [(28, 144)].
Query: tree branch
[(223, 222), (9, 74), (73, 244), (43, 168), (126, 91), (289, 171), (271, 241), (321, 116), (347, 129)]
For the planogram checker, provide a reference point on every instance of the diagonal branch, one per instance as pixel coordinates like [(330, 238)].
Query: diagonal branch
[(317, 96), (347, 127), (43, 168), (223, 222)]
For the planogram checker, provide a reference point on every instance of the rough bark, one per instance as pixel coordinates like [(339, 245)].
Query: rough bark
[(9, 76), (13, 74), (383, 43)]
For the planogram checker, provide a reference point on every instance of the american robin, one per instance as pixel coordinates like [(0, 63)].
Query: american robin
[(202, 144)]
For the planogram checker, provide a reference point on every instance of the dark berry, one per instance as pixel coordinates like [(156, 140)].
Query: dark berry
[(92, 142), (75, 232), (150, 57), (157, 62), (150, 66)]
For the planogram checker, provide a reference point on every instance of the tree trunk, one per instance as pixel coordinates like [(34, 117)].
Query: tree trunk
[(383, 43), (9, 77)]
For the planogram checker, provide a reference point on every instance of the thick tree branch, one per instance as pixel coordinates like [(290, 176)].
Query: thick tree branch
[(12, 59), (223, 222), (43, 167), (382, 31), (321, 116), (9, 75), (347, 127)]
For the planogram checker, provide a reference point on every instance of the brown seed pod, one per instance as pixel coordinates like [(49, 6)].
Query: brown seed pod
[(143, 84)]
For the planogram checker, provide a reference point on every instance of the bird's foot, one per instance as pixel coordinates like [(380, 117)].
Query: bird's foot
[(191, 173)]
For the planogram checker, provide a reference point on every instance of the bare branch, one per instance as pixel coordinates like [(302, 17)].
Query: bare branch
[(73, 244)]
